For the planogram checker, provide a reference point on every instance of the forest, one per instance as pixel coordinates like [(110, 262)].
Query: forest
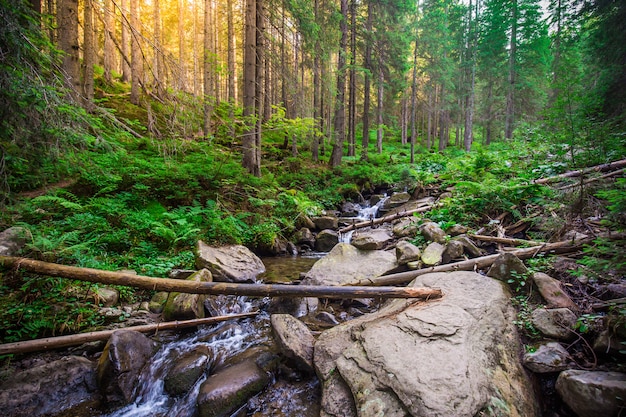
[(132, 128)]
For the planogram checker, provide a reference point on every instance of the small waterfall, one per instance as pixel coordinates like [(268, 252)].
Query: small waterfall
[(345, 237), (223, 341), (369, 213)]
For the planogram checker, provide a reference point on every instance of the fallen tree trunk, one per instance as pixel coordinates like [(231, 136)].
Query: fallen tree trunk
[(215, 288), (507, 240), (611, 166), (483, 261), (48, 343), (384, 219), (590, 180)]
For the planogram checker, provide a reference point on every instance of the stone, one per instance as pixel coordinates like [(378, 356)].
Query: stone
[(407, 252), (183, 306), (180, 273), (432, 232), (305, 221), (344, 264), (454, 250), (373, 239), (12, 240), (556, 323), (228, 389), (406, 227), (234, 263), (106, 296), (188, 368), (469, 247), (457, 230), (326, 222), (433, 254), (304, 236), (294, 339), (593, 393), (326, 240), (119, 367), (551, 291), (608, 342), (508, 267), (395, 200), (548, 357), (157, 302), (53, 388), (455, 356), (349, 209)]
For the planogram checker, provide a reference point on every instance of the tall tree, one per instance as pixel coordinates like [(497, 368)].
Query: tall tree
[(126, 36), (471, 74), (67, 15), (367, 81), (136, 58), (510, 94), (109, 43), (89, 54), (340, 117), (250, 160)]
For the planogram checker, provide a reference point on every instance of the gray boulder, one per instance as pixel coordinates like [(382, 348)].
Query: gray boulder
[(234, 263), (556, 323), (186, 371), (433, 254), (294, 339), (62, 386), (119, 367), (183, 306), (344, 264), (373, 239), (407, 252), (551, 291), (548, 357), (454, 356), (228, 389), (304, 236), (406, 227), (395, 200), (510, 269), (468, 246), (12, 240), (157, 302), (325, 222), (326, 240), (454, 250), (593, 393), (432, 232)]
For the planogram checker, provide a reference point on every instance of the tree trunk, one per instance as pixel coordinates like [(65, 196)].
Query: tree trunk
[(510, 96), (379, 107), (208, 68), (135, 53), (48, 343), (260, 81), (89, 55), (109, 45), (68, 43), (232, 70), (469, 105), (367, 82), (159, 70), (340, 117), (352, 82), (249, 90), (125, 50), (413, 100), (317, 91), (181, 46)]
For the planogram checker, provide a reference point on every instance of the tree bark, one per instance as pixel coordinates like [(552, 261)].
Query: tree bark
[(367, 82), (109, 45), (125, 50), (379, 106), (68, 42), (510, 96), (249, 89), (208, 69), (89, 55), (352, 82), (340, 116), (611, 166), (49, 343), (214, 288), (135, 53)]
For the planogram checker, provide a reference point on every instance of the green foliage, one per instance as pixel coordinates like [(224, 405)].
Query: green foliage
[(524, 314)]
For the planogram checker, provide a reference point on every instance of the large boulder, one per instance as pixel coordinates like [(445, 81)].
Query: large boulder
[(12, 240), (433, 254), (225, 391), (234, 263), (555, 323), (294, 339), (547, 357), (119, 367), (326, 222), (454, 356), (372, 239), (186, 371), (593, 393), (407, 252), (56, 387), (432, 232), (183, 306), (344, 264), (551, 291), (326, 240), (406, 227), (395, 200)]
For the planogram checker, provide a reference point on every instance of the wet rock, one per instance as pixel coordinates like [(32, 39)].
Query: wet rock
[(50, 389), (326, 240), (325, 222), (432, 232), (407, 227), (305, 221), (157, 302), (12, 240), (294, 339), (508, 267), (454, 250), (304, 236), (551, 291), (457, 230), (469, 247), (349, 209), (556, 323), (395, 200), (230, 388), (234, 263), (188, 368), (182, 306), (454, 356), (433, 254), (407, 252), (106, 296), (344, 264), (371, 239), (548, 357), (180, 273), (119, 367), (593, 393)]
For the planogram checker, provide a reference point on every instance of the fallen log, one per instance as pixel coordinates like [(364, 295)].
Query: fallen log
[(402, 278), (385, 219), (590, 180), (507, 240), (611, 166), (215, 288), (58, 342)]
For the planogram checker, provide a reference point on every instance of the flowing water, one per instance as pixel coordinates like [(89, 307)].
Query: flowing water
[(366, 212)]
